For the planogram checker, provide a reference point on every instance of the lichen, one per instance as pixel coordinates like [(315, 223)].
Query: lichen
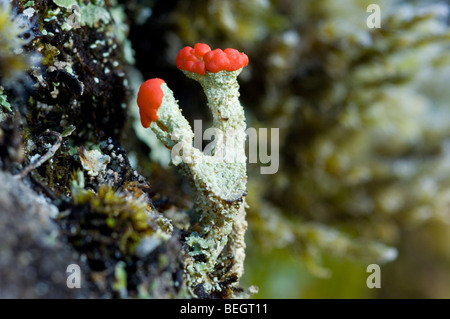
[(219, 177), (93, 161)]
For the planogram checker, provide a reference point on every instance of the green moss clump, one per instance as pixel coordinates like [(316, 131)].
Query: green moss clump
[(122, 239), (110, 217)]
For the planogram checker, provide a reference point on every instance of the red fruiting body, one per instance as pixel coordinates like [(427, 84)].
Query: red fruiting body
[(237, 59), (201, 59), (149, 100)]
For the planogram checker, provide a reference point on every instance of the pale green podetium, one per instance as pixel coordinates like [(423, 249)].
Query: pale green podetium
[(219, 176)]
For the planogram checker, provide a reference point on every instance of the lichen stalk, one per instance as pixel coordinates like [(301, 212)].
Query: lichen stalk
[(224, 220), (219, 177)]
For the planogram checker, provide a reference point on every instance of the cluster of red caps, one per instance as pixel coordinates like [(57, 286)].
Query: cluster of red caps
[(197, 60), (201, 59)]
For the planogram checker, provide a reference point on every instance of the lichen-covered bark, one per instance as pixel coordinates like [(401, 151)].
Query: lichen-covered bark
[(67, 106), (34, 255)]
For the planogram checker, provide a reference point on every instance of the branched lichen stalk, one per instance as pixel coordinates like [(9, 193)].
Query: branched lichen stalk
[(218, 174), (221, 180)]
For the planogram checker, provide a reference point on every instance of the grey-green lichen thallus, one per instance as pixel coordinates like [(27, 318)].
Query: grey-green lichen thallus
[(215, 246)]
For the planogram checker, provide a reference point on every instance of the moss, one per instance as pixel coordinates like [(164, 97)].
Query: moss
[(50, 54), (124, 246), (120, 215)]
